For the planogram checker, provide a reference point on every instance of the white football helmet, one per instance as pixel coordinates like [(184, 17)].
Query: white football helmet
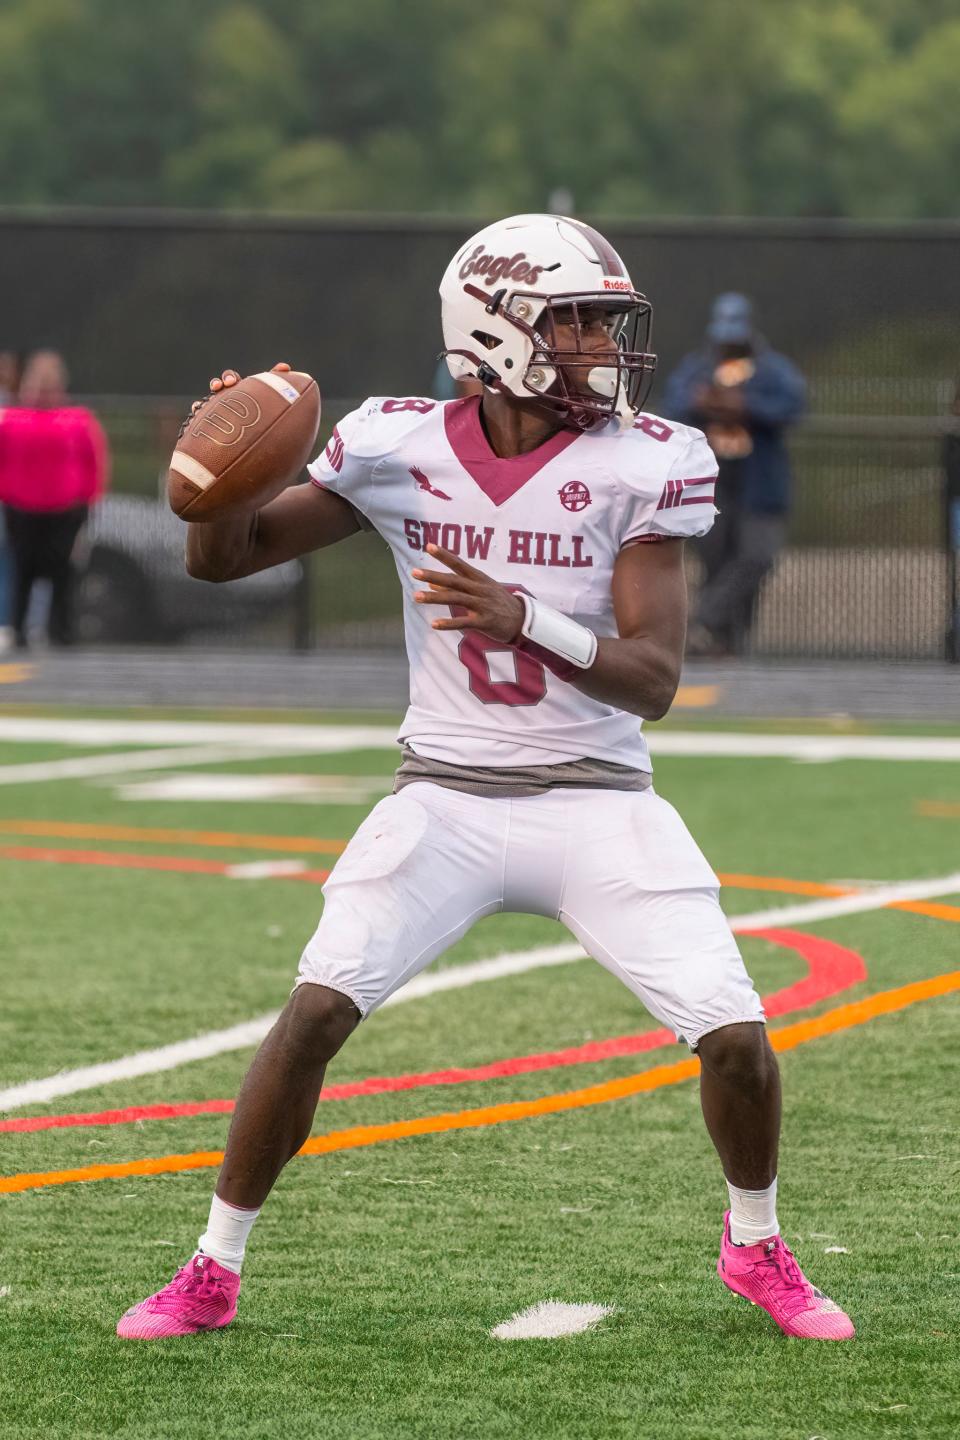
[(499, 296)]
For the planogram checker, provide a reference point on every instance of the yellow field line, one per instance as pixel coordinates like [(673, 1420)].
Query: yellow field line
[(78, 830), (939, 809), (15, 672), (787, 1037), (696, 697)]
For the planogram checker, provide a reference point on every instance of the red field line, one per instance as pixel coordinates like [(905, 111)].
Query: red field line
[(116, 859), (133, 860), (844, 1017), (832, 969)]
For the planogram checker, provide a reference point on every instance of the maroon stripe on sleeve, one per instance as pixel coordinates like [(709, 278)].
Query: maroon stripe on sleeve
[(334, 451)]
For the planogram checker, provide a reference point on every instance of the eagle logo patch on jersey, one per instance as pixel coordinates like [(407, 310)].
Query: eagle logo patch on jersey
[(575, 495), (424, 484)]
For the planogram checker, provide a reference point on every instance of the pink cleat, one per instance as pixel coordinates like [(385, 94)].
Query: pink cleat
[(768, 1275), (201, 1296)]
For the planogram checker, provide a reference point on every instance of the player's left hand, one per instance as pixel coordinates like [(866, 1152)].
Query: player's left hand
[(481, 603)]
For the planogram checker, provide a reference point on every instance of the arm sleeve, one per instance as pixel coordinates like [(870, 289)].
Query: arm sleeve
[(776, 395), (679, 507)]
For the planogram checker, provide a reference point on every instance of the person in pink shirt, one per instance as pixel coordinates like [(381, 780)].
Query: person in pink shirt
[(54, 465)]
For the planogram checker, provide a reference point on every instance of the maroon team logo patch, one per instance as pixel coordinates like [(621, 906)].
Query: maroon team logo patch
[(424, 484), (574, 495)]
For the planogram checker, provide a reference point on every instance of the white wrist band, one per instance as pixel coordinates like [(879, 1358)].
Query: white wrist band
[(550, 630)]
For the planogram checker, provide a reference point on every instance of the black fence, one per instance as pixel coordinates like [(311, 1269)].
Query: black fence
[(151, 304)]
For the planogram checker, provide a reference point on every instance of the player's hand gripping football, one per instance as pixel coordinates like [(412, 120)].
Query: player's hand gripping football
[(477, 602), (224, 381)]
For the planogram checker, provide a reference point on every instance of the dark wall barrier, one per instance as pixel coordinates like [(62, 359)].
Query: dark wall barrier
[(150, 304)]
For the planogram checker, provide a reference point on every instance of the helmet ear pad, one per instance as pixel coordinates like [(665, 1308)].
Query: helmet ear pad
[(495, 340), (526, 312)]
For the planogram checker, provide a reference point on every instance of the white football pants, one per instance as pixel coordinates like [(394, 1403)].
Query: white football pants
[(618, 867)]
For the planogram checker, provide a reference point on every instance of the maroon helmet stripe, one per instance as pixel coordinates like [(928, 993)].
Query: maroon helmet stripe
[(608, 257)]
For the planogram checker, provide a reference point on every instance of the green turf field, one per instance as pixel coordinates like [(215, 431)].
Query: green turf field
[(376, 1273)]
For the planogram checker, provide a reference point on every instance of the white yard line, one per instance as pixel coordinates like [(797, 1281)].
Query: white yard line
[(251, 1032), (303, 739), (878, 896), (85, 767), (333, 739), (803, 747)]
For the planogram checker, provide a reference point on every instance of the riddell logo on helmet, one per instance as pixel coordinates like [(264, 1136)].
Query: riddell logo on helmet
[(609, 284), (500, 267)]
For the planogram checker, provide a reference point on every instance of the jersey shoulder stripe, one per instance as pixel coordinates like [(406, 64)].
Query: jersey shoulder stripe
[(687, 492), (667, 475)]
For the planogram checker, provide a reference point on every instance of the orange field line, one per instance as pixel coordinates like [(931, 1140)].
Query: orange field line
[(78, 830), (787, 1037), (941, 809), (782, 886), (932, 908)]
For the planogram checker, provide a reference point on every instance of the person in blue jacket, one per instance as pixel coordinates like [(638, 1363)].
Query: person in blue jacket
[(743, 395)]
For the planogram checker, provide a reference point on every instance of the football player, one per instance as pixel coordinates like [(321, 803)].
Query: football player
[(538, 532)]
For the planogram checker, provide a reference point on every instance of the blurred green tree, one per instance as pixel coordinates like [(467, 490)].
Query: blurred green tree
[(637, 107)]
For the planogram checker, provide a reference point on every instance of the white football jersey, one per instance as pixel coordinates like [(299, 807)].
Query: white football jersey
[(550, 522)]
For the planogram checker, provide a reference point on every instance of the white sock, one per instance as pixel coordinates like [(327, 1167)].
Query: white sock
[(753, 1214), (225, 1237)]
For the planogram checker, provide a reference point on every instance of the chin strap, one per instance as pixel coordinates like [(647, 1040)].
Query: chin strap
[(561, 644)]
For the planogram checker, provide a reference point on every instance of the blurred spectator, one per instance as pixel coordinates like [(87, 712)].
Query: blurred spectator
[(53, 466), (9, 377), (951, 469), (9, 385), (743, 395)]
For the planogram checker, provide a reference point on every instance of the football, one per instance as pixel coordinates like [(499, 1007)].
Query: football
[(244, 444)]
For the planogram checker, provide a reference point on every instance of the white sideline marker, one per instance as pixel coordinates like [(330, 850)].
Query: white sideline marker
[(265, 869), (551, 1320)]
